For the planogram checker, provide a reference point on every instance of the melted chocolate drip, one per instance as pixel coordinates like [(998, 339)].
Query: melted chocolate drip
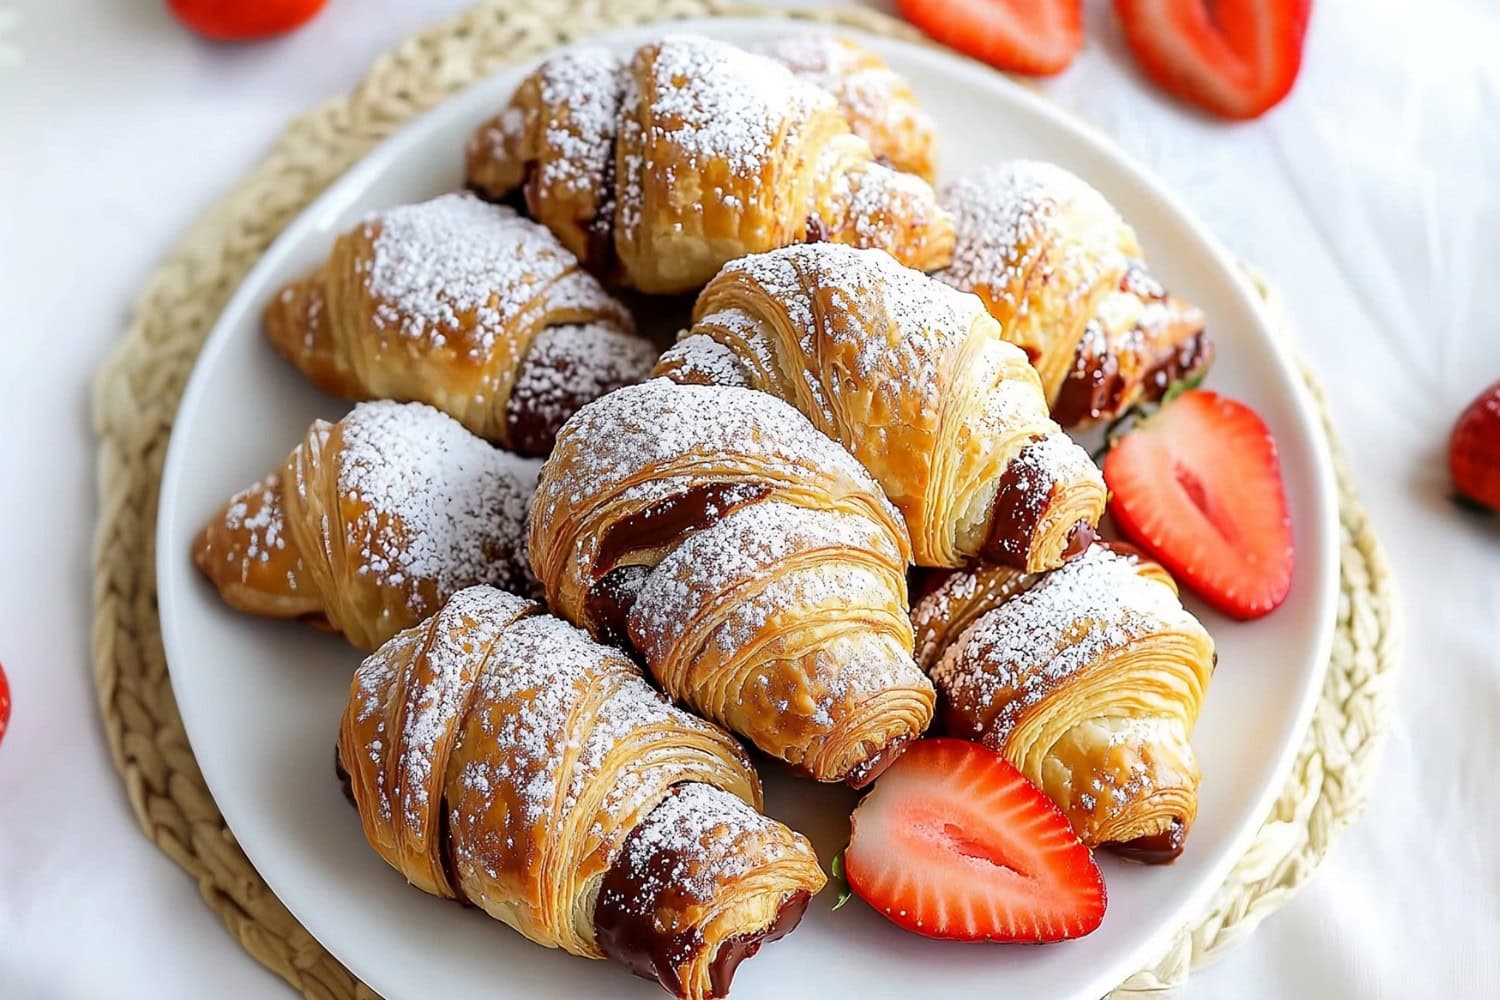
[(1157, 849), (673, 517), (1079, 540), (816, 231), (627, 928), (1014, 514), (609, 602), (1094, 387)]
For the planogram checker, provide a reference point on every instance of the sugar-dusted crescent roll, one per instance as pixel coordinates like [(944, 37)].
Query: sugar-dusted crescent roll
[(372, 523), (877, 102), (916, 381), (751, 560), (658, 168), (466, 306), (1088, 679), (1063, 273), (499, 756)]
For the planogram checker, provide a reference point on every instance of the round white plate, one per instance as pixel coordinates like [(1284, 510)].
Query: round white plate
[(261, 700)]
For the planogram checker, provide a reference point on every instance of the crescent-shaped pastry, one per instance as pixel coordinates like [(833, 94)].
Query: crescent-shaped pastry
[(751, 561), (1088, 679), (916, 381), (466, 306), (657, 169), (499, 756), (372, 523), (1063, 273)]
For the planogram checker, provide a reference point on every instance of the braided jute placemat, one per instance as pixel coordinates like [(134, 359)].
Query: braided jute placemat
[(140, 384)]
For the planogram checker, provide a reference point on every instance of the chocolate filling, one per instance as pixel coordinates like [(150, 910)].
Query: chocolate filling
[(816, 231), (1157, 849), (673, 517), (1015, 513), (1079, 540), (628, 931), (609, 602)]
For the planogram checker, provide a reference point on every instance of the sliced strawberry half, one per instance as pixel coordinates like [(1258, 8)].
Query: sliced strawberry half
[(1037, 37), (1198, 486), (1235, 58), (954, 843), (1474, 450)]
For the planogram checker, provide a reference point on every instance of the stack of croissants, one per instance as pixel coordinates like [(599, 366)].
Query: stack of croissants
[(839, 510)]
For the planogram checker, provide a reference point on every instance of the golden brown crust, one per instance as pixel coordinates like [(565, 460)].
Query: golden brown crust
[(1089, 679), (702, 154), (371, 523), (915, 380), (446, 302), (499, 756), (765, 571), (1062, 272)]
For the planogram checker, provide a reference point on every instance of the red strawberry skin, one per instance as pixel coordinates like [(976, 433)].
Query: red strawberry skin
[(4, 702), (1198, 487), (1234, 58), (244, 20), (955, 843), (1474, 450), (1035, 37)]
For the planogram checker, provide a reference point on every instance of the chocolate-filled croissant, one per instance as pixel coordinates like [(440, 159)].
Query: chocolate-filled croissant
[(657, 168), (1065, 276), (466, 306), (372, 523), (1088, 679), (499, 756), (915, 380), (752, 562)]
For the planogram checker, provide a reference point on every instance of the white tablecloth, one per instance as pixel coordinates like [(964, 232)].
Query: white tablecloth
[(1373, 196)]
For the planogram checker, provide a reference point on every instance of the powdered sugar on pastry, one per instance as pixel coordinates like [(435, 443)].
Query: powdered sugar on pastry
[(576, 362), (429, 503), (588, 81), (1017, 653), (701, 360), (454, 271)]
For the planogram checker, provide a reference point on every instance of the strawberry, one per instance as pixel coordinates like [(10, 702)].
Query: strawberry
[(4, 702), (1198, 486), (1235, 58), (1474, 451), (1037, 37), (954, 843), (244, 20)]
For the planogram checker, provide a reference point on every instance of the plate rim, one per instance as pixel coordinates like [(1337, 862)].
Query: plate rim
[(347, 186)]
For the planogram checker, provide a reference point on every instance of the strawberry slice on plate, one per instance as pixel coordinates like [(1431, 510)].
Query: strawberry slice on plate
[(954, 843), (1036, 37), (1474, 451), (1235, 58), (1198, 486)]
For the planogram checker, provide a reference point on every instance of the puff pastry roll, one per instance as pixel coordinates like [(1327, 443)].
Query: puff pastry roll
[(658, 168), (877, 102), (1088, 679), (499, 756), (372, 523), (1063, 273), (466, 306), (752, 562), (915, 380)]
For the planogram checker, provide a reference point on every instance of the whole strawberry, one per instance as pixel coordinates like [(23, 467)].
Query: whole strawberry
[(1474, 452)]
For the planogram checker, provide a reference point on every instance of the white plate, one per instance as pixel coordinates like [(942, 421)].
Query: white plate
[(261, 700)]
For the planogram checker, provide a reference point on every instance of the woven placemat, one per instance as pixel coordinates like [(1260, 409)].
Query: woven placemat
[(140, 384)]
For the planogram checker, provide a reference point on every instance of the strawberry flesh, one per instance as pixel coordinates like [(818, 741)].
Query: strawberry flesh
[(1198, 486), (1036, 37), (955, 843)]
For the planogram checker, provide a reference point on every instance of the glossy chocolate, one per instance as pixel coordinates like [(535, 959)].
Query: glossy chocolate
[(1015, 514), (1158, 849), (670, 519), (1079, 540), (816, 231), (628, 929), (609, 602)]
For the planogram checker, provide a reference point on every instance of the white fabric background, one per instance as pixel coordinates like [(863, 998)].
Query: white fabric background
[(1373, 195)]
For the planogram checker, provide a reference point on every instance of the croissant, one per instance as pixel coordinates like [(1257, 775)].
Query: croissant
[(1063, 273), (751, 561), (914, 379), (1088, 679), (877, 103), (500, 757), (371, 523), (466, 306), (657, 171)]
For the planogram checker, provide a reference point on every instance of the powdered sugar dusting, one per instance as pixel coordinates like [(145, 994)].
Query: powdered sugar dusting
[(588, 82), (429, 503), (574, 363), (1018, 653), (701, 360)]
